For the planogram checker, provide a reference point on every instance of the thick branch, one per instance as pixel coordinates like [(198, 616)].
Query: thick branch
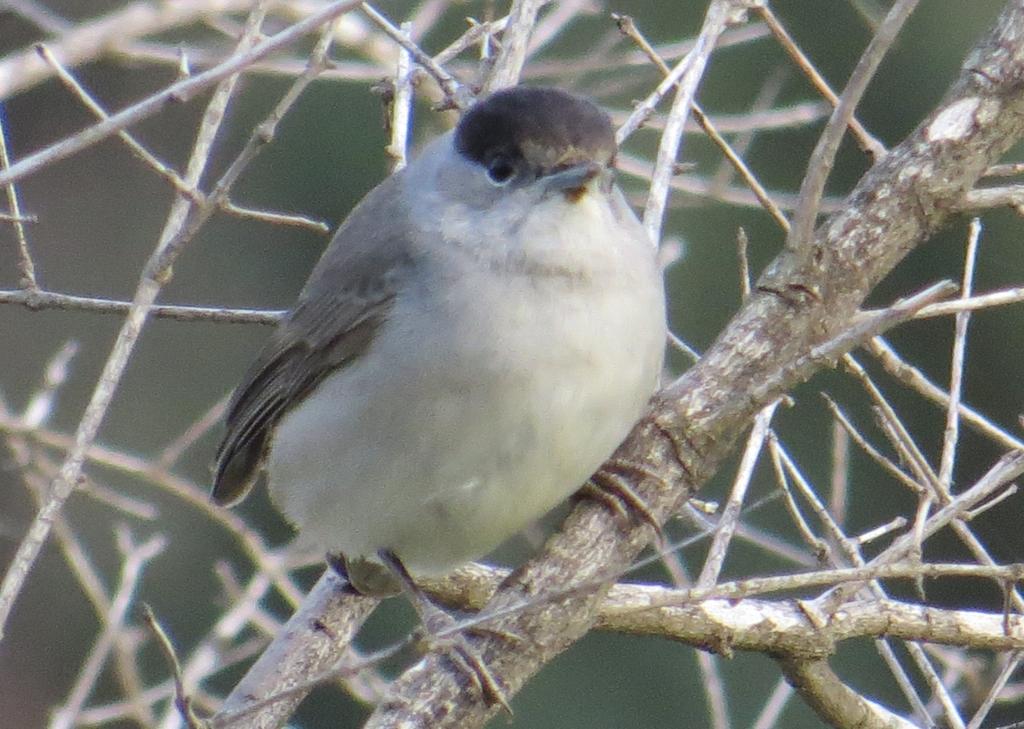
[(804, 298), (833, 700), (307, 647)]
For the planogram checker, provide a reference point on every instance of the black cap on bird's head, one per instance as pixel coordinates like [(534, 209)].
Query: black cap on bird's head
[(540, 129)]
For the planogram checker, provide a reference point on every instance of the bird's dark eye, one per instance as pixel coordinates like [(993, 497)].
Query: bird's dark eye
[(500, 170)]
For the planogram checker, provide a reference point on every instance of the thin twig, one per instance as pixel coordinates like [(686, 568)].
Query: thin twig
[(818, 546), (203, 425), (456, 94), (704, 187), (182, 701), (171, 241), (164, 170), (26, 267), (44, 18), (986, 198), (181, 91), (951, 434), (861, 330), (717, 18), (771, 713), (973, 303), (839, 482), (1002, 472), (522, 17), (86, 41), (135, 558), (761, 111), (401, 106), (917, 381), (135, 147), (850, 553), (39, 300), (730, 515), (864, 138), (742, 245), (476, 33), (886, 463), (820, 164), (188, 492), (924, 472), (267, 216), (1009, 668), (628, 27)]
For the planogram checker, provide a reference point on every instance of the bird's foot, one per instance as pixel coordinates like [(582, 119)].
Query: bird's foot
[(442, 631), (610, 488)]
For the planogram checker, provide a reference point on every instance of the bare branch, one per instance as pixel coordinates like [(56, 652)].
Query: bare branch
[(952, 432), (514, 44), (180, 92), (813, 185), (135, 559), (40, 300), (25, 264), (719, 15), (312, 642), (87, 42), (867, 142)]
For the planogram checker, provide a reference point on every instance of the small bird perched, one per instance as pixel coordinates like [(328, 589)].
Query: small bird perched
[(484, 329)]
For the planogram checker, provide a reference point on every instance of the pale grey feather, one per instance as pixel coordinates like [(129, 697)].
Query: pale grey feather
[(334, 320)]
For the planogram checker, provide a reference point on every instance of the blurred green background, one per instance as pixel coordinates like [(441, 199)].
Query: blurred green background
[(101, 211)]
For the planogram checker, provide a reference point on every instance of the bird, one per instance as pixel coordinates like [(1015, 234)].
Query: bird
[(483, 330)]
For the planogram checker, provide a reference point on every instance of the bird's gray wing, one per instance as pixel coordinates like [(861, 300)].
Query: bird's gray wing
[(346, 298)]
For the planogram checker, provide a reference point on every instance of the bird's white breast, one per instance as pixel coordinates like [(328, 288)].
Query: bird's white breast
[(489, 395)]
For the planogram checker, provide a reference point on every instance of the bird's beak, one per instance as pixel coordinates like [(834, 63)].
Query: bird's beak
[(573, 181)]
